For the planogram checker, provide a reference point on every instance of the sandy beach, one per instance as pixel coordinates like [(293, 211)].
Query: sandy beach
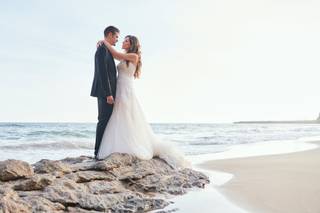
[(274, 183)]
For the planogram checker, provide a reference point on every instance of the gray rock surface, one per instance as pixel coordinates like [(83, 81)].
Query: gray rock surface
[(120, 183)]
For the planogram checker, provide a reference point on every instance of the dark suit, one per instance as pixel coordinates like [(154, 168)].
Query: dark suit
[(104, 84)]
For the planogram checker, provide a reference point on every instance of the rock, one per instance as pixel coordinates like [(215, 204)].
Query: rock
[(87, 176), (102, 202), (140, 205), (120, 183), (164, 179), (141, 168), (102, 187), (14, 169), (71, 194), (160, 184), (40, 204), (115, 160), (80, 210), (37, 182), (74, 160), (194, 178), (10, 202), (63, 191), (168, 211), (57, 168)]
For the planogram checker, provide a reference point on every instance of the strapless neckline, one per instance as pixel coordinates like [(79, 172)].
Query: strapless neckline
[(126, 71)]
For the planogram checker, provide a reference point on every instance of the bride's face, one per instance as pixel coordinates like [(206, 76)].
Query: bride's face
[(126, 44)]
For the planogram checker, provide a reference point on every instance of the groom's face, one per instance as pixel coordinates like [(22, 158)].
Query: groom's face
[(114, 38)]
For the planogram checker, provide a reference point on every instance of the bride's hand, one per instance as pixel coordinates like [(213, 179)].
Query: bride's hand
[(99, 43)]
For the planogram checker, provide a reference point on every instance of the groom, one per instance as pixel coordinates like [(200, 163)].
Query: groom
[(104, 83)]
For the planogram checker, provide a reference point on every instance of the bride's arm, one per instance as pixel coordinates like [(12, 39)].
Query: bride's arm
[(121, 56)]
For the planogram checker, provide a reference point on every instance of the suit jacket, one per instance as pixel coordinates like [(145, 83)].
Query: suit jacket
[(105, 74)]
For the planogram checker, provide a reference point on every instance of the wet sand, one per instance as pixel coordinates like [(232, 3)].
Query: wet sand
[(275, 183)]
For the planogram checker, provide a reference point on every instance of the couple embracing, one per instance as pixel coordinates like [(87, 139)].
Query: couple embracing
[(122, 126)]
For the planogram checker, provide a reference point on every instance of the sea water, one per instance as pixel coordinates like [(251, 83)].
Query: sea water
[(35, 141)]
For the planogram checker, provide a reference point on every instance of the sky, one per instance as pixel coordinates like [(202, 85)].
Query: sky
[(207, 61)]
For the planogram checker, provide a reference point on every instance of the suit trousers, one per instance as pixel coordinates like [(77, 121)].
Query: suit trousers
[(104, 114)]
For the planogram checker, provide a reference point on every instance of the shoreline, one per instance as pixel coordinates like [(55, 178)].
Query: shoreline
[(212, 198), (209, 199), (281, 182)]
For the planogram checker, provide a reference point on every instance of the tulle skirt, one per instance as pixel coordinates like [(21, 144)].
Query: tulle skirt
[(128, 132)]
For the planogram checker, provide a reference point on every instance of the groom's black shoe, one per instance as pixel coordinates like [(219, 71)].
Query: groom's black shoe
[(97, 159)]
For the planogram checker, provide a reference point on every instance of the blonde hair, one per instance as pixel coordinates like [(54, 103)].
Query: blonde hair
[(135, 48)]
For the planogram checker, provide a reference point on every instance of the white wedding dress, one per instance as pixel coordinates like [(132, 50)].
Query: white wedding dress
[(128, 131)]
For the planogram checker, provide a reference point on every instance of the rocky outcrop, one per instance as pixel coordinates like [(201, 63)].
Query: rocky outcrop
[(14, 169), (120, 183)]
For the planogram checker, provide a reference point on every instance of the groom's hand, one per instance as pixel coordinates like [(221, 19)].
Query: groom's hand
[(110, 99)]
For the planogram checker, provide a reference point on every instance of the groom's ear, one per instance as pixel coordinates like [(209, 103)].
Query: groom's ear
[(108, 35)]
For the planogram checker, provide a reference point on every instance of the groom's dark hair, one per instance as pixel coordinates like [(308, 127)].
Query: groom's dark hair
[(111, 29)]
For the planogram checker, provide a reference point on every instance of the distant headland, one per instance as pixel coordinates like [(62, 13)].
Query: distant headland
[(317, 121)]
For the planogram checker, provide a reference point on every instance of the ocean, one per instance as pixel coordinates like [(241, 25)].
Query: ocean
[(32, 142)]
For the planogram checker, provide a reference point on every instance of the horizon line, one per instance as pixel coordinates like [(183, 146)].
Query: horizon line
[(153, 122)]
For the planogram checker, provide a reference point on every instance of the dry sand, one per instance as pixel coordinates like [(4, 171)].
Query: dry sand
[(276, 183)]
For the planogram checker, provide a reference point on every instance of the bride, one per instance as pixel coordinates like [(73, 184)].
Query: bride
[(128, 130)]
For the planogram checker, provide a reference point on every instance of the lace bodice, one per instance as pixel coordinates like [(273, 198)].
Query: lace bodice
[(126, 71)]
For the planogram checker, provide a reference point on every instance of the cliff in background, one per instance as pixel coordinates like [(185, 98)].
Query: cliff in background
[(317, 121)]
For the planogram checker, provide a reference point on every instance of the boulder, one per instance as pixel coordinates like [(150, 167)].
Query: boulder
[(14, 169), (57, 168), (37, 182)]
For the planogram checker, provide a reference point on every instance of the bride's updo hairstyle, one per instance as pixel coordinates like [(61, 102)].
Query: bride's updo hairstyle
[(135, 48)]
